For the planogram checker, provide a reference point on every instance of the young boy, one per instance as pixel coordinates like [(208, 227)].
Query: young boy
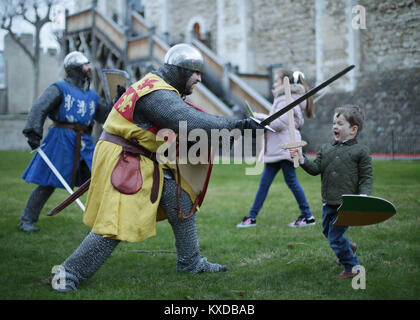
[(346, 168)]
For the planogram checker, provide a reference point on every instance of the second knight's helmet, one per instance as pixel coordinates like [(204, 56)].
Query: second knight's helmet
[(185, 56), (73, 63), (74, 59)]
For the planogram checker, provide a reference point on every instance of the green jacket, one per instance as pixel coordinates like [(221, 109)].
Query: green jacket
[(345, 168)]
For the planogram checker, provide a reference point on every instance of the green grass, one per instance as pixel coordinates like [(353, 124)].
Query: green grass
[(261, 265)]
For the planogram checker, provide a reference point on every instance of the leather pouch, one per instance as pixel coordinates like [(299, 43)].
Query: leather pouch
[(126, 176)]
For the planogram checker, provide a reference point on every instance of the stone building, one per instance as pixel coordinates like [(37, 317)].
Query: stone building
[(16, 88), (3, 85), (19, 73), (318, 37)]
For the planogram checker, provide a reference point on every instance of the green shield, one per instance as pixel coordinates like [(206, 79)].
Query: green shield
[(357, 210)]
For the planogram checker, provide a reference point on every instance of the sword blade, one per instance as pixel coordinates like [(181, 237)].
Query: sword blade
[(73, 197), (58, 175), (305, 96)]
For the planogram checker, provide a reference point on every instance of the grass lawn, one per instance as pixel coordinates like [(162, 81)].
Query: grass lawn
[(262, 265)]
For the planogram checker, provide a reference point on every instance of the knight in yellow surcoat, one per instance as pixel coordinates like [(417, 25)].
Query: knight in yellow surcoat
[(130, 189)]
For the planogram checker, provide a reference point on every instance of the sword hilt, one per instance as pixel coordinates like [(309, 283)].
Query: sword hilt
[(260, 123)]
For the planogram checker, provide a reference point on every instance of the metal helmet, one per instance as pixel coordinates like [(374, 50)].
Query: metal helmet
[(74, 59), (185, 56)]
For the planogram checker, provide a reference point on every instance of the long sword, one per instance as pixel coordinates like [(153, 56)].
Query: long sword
[(305, 96), (77, 194), (58, 175)]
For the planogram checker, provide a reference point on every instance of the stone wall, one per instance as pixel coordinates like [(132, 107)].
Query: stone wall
[(387, 84), (180, 17), (391, 101), (283, 32), (317, 37), (392, 35), (11, 137), (20, 73), (321, 37)]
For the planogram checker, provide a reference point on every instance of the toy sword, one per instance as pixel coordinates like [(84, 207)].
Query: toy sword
[(302, 98), (293, 143)]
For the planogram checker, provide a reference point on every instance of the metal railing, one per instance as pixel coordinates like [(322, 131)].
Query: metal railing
[(399, 146)]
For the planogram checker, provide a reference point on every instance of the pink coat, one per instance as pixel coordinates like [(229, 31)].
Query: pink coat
[(272, 151)]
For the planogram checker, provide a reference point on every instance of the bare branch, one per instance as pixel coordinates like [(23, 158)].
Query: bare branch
[(5, 25), (49, 6), (47, 15), (35, 6), (23, 13), (31, 12)]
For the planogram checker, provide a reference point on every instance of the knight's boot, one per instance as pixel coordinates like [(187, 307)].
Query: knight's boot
[(185, 232), (32, 210), (84, 262)]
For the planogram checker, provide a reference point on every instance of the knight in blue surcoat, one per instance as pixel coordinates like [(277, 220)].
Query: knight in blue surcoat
[(72, 107)]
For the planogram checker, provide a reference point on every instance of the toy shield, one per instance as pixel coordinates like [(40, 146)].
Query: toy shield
[(197, 176), (112, 79), (359, 210)]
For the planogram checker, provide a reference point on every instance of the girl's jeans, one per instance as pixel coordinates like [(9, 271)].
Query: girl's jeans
[(289, 173), (335, 235)]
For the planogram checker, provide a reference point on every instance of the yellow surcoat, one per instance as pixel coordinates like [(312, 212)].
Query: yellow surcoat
[(113, 214)]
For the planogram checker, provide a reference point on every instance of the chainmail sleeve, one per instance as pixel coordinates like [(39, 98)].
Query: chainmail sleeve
[(48, 103), (102, 110), (165, 109)]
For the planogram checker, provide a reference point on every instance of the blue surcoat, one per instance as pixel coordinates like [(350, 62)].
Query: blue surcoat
[(59, 144)]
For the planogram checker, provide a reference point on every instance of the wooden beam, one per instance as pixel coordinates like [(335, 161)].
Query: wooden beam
[(85, 45)]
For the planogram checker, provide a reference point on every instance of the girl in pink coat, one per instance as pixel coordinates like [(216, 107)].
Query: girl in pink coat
[(275, 157)]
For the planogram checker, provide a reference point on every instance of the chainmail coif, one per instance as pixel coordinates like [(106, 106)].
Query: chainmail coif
[(176, 76)]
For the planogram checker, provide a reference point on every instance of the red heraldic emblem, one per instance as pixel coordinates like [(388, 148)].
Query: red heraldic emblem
[(147, 83), (125, 104)]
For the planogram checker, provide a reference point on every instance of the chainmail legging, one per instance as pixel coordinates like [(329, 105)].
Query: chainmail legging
[(36, 202), (95, 249), (85, 261), (185, 231)]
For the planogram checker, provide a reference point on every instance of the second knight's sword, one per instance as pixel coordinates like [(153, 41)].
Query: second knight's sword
[(58, 175)]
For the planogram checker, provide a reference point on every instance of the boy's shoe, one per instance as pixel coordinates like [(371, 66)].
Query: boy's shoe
[(347, 274), (302, 222), (353, 248), (247, 222)]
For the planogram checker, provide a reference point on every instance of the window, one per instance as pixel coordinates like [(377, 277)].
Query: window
[(196, 29)]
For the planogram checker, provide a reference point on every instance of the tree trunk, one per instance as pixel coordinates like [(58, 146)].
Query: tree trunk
[(35, 61), (35, 81)]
